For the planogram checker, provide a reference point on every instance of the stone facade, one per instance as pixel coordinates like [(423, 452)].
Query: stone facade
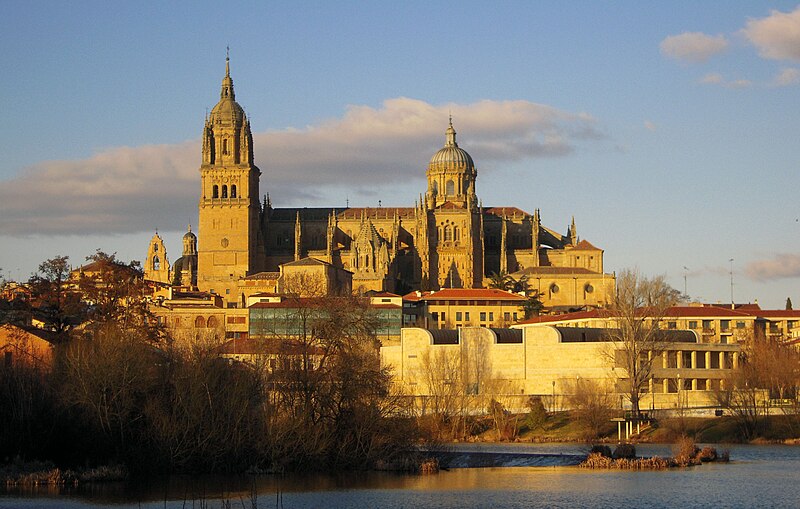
[(476, 364), (448, 239)]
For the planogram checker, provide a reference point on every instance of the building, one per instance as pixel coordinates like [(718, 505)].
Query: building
[(713, 323), (452, 308), (474, 365), (447, 239)]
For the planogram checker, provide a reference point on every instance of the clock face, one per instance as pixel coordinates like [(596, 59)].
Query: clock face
[(224, 242)]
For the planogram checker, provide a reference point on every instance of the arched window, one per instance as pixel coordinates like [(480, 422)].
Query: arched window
[(450, 188), (448, 234), (199, 322), (224, 191), (225, 146), (455, 233), (156, 263), (212, 322), (215, 191), (155, 248), (233, 191), (435, 187)]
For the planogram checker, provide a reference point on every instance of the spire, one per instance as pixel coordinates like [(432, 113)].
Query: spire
[(227, 83), (450, 135)]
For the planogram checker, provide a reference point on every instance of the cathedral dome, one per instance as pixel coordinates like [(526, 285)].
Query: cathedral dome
[(451, 156), (227, 109)]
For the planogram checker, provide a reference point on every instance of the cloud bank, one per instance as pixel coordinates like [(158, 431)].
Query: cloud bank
[(125, 190), (693, 46), (777, 36), (781, 266)]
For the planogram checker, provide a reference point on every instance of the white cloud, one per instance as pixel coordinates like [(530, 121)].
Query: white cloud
[(717, 79), (777, 36), (137, 189), (781, 266), (787, 77), (693, 46)]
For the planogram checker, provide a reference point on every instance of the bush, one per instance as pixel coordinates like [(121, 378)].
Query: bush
[(602, 450), (537, 415), (627, 451)]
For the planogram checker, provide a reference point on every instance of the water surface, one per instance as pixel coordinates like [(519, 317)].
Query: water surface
[(758, 476)]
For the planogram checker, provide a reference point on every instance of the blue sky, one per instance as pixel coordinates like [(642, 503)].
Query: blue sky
[(669, 129)]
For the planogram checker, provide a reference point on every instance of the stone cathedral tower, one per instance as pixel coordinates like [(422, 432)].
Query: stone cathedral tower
[(229, 206)]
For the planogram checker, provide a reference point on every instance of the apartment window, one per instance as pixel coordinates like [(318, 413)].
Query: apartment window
[(483, 316), (466, 315), (506, 316), (790, 324), (672, 325), (435, 316), (491, 316), (725, 325), (458, 316), (692, 324), (706, 324), (740, 325), (515, 317)]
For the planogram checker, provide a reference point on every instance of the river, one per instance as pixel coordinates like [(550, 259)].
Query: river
[(757, 476)]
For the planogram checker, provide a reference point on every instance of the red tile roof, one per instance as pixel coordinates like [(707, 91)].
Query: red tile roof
[(464, 294), (585, 244)]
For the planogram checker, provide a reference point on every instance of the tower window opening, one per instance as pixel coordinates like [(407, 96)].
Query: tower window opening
[(450, 188), (156, 263), (224, 191), (448, 234), (225, 146), (215, 191), (233, 191)]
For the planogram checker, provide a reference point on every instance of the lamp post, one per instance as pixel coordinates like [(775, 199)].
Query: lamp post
[(553, 403)]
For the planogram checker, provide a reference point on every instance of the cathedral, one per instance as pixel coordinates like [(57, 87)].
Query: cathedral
[(447, 239)]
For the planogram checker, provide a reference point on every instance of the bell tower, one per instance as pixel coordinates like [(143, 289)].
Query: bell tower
[(229, 206)]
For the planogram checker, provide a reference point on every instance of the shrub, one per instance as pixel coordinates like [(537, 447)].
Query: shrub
[(602, 450), (626, 451)]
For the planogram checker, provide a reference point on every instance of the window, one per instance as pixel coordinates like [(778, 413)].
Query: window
[(692, 324), (224, 191), (725, 325), (233, 191), (448, 233), (706, 324), (491, 316), (450, 188), (458, 316), (672, 325), (215, 191), (211, 323), (466, 315), (483, 316), (156, 262), (515, 316), (506, 316), (225, 146), (199, 322), (740, 325)]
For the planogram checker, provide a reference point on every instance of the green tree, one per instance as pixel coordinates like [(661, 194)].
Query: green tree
[(55, 300)]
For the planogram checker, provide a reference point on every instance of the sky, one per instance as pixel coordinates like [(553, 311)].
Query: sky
[(669, 130)]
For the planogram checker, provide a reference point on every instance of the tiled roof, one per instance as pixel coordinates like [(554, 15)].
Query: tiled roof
[(308, 261), (464, 294), (504, 211), (585, 244)]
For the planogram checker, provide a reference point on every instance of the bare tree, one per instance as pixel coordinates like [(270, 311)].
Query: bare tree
[(638, 341), (592, 405)]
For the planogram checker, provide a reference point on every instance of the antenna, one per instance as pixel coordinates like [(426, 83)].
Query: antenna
[(732, 301)]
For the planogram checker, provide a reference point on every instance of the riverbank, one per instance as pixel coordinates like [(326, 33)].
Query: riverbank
[(561, 427)]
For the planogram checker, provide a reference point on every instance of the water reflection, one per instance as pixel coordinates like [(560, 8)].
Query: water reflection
[(758, 476)]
